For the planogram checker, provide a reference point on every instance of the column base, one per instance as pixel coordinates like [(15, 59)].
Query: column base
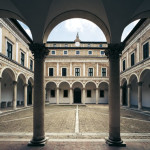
[(34, 142), (115, 143)]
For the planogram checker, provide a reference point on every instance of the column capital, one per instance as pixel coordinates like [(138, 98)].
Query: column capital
[(39, 50), (140, 83), (114, 50), (25, 84), (121, 87)]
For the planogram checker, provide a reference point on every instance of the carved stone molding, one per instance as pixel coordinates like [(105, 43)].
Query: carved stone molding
[(114, 50), (39, 50)]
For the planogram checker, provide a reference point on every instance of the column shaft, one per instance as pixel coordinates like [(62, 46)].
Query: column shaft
[(83, 101), (71, 96), (57, 95), (14, 95), (96, 95), (0, 92), (25, 95), (121, 96), (129, 95), (139, 95), (32, 95)]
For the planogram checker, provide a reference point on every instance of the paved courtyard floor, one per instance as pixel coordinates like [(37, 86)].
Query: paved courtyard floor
[(75, 127)]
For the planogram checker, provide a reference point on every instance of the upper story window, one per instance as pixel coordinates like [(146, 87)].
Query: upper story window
[(90, 52), (132, 59), (51, 71), (54, 45), (9, 50), (103, 72), (77, 52), (53, 52), (146, 50), (31, 65), (124, 65), (90, 72), (100, 45), (22, 58), (65, 52), (64, 71), (102, 52), (77, 71)]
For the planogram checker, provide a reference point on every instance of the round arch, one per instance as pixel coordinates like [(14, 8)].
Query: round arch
[(76, 14), (90, 82), (31, 80), (142, 72), (22, 76), (123, 80), (51, 82), (63, 82), (10, 72), (77, 82), (132, 77)]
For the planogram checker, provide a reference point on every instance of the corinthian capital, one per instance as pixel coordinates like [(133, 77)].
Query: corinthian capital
[(39, 50), (114, 50)]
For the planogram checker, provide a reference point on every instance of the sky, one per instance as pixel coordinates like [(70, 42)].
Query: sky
[(88, 31)]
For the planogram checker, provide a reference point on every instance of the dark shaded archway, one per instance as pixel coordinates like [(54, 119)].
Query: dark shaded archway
[(77, 95), (29, 91), (124, 94)]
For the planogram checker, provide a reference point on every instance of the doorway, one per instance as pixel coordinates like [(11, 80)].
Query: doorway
[(77, 95)]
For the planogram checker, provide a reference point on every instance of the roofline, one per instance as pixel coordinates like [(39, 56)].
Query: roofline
[(97, 42), (16, 23), (138, 25)]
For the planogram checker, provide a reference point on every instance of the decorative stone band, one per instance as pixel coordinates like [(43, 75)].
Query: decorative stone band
[(39, 50), (114, 50), (140, 83)]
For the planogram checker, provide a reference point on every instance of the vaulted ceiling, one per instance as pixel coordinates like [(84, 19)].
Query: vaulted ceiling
[(41, 16)]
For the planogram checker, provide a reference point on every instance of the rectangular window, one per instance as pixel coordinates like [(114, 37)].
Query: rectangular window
[(52, 93), (54, 45), (53, 52), (22, 59), (88, 93), (77, 71), (77, 52), (124, 65), (102, 52), (100, 45), (89, 45), (65, 93), (64, 72), (101, 93), (132, 59), (31, 65), (90, 72), (146, 50), (103, 72), (51, 71), (90, 52), (9, 50), (65, 52)]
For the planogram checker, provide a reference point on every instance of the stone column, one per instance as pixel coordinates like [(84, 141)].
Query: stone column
[(32, 94), (129, 95), (57, 95), (71, 96), (83, 100), (121, 95), (39, 51), (96, 95), (113, 53), (140, 95), (14, 95), (25, 95)]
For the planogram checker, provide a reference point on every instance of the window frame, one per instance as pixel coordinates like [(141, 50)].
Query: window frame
[(30, 64), (88, 95), (53, 51), (64, 52), (131, 59), (8, 41), (75, 72), (147, 42), (123, 65), (21, 58), (62, 71), (53, 96), (89, 72), (102, 51), (102, 72), (49, 71), (64, 93), (90, 51), (77, 51)]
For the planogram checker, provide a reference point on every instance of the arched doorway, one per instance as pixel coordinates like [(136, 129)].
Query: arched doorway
[(77, 95), (29, 89)]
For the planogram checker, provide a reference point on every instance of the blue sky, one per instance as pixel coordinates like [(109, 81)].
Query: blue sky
[(88, 31)]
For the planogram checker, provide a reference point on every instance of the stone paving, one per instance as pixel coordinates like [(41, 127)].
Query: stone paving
[(61, 124)]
